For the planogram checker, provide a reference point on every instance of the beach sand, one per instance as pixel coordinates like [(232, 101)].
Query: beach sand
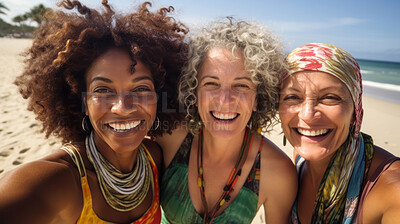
[(21, 140)]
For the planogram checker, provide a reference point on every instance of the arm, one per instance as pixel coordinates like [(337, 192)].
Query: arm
[(278, 184), (39, 192)]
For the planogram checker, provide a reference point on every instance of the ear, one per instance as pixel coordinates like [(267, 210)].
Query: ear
[(255, 104), (84, 103)]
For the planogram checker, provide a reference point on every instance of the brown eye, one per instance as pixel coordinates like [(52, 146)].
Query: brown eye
[(244, 86), (291, 97), (102, 90), (142, 89), (210, 84), (330, 99)]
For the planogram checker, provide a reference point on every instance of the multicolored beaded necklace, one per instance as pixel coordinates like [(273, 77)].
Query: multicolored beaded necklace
[(233, 177)]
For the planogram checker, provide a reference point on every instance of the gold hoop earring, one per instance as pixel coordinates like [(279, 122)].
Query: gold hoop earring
[(157, 123), (86, 126)]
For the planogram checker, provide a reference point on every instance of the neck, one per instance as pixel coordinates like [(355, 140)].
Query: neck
[(222, 149), (123, 162), (315, 170)]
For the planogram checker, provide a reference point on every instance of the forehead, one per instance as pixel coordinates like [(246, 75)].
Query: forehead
[(116, 63), (314, 80), (223, 61)]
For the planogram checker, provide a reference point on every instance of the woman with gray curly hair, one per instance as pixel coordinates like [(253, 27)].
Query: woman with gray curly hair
[(219, 168)]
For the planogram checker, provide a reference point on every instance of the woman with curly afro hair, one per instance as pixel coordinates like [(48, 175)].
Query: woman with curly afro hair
[(101, 82), (219, 168)]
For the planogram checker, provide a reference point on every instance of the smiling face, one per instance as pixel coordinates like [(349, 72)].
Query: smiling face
[(121, 105), (226, 94), (316, 110)]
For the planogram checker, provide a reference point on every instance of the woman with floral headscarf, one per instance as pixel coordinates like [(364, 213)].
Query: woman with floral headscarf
[(343, 177)]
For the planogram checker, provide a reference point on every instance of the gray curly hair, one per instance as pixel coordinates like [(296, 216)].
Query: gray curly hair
[(264, 61)]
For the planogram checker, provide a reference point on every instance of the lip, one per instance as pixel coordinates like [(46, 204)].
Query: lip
[(126, 132), (125, 125), (228, 117), (317, 138)]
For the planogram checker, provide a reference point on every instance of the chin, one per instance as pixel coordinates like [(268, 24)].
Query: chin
[(314, 153)]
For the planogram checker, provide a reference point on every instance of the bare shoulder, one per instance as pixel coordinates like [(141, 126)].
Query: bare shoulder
[(275, 160), (277, 168), (278, 182), (170, 143), (155, 151), (383, 201), (43, 186)]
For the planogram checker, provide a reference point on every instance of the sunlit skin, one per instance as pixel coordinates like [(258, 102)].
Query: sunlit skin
[(226, 94), (318, 103), (121, 105), (316, 110), (226, 99)]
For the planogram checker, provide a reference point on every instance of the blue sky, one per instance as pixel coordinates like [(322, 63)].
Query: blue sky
[(368, 29)]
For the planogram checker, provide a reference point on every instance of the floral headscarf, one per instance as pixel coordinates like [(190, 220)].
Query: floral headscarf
[(339, 190), (335, 61)]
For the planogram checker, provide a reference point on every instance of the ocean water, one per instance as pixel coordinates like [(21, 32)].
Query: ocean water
[(381, 79)]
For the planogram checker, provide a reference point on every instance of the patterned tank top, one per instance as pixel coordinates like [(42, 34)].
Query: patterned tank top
[(152, 215), (176, 202)]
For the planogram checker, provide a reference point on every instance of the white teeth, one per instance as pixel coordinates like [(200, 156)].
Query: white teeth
[(224, 116), (312, 133), (124, 127)]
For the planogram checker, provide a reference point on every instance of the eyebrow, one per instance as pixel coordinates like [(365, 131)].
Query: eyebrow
[(340, 88), (100, 79), (110, 81), (243, 78), (215, 77), (290, 89)]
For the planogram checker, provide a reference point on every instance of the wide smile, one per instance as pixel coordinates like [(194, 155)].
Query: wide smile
[(313, 133), (224, 116), (124, 126)]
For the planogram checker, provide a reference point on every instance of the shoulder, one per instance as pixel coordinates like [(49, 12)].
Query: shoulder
[(155, 151), (275, 160), (50, 184), (277, 169), (384, 199), (170, 143), (390, 189), (278, 183)]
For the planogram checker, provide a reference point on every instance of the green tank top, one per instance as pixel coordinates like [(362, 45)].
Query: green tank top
[(175, 199)]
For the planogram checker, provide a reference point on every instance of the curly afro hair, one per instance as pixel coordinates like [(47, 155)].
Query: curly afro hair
[(67, 43)]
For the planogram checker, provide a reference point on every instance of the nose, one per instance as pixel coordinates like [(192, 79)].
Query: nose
[(124, 105), (308, 111), (226, 96)]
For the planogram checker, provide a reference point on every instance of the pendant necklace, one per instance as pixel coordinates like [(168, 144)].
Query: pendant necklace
[(209, 215)]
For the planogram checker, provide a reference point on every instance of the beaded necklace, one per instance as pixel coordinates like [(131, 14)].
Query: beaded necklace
[(122, 191), (233, 177)]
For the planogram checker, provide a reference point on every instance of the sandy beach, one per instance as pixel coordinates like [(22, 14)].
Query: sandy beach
[(21, 140)]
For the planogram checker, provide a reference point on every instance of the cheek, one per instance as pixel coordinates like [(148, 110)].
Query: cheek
[(284, 114), (152, 109), (95, 105), (203, 98)]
